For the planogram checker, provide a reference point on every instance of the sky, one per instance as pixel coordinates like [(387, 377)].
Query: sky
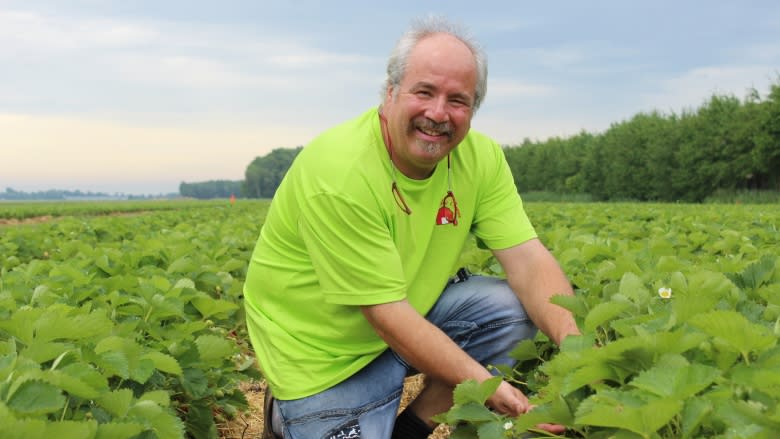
[(138, 96)]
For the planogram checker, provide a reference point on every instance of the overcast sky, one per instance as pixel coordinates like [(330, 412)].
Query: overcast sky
[(138, 96)]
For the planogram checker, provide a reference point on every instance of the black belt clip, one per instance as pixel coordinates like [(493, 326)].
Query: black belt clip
[(461, 276)]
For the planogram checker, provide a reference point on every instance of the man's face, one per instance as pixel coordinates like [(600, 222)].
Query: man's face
[(431, 113)]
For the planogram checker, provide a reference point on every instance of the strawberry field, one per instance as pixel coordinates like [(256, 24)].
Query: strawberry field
[(131, 325)]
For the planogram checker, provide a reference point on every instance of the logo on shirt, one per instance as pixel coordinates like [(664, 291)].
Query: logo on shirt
[(448, 212)]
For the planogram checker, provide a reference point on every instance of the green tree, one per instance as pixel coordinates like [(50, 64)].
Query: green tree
[(265, 173)]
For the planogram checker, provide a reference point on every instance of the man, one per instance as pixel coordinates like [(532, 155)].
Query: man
[(348, 289)]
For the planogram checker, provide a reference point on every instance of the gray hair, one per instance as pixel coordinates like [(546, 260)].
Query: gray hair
[(425, 27)]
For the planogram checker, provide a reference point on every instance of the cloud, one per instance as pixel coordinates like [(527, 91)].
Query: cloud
[(694, 87), (35, 33)]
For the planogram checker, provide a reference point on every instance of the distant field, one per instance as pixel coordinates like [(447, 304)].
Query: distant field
[(120, 319), (18, 210)]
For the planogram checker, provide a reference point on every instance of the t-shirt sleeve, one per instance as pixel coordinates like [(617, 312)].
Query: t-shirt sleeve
[(352, 251), (500, 220)]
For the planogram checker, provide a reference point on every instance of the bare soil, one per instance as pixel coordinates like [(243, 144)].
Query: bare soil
[(249, 425)]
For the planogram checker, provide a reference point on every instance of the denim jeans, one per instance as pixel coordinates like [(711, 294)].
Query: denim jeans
[(481, 314)]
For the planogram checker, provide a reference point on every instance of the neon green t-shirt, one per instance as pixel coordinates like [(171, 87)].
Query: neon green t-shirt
[(335, 238)]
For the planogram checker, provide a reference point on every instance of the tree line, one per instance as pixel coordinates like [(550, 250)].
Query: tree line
[(727, 144)]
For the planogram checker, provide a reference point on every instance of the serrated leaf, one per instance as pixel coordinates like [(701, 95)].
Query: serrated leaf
[(694, 412), (69, 323), (767, 379), (195, 383), (25, 429), (575, 304), (43, 351), (592, 373), (200, 421), (163, 362), (183, 265), (623, 410), (208, 306), (602, 313), (22, 324), (117, 402), (491, 430), (163, 423), (214, 350), (86, 373), (119, 430), (33, 398), (160, 397), (632, 287), (733, 329), (185, 283), (470, 412), (114, 364), (472, 391), (65, 382), (525, 350), (675, 377), (71, 429)]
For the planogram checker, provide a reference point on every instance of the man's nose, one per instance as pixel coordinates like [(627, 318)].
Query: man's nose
[(437, 111)]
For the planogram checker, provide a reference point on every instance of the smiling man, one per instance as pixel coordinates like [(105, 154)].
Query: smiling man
[(352, 285)]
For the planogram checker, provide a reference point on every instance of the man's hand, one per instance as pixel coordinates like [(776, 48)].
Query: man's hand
[(509, 400)]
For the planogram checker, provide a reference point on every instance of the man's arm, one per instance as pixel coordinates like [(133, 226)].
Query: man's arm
[(535, 276), (432, 352)]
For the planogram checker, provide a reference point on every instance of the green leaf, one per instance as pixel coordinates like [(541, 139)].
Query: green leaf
[(183, 265), (70, 384), (70, 323), (208, 306), (470, 412), (71, 429), (592, 373), (117, 402), (525, 350), (25, 429), (35, 397), (87, 374), (195, 383), (766, 379), (735, 331), (160, 397), (575, 304), (163, 362), (472, 391), (491, 430), (119, 430), (214, 350), (626, 411), (694, 412), (164, 424), (200, 421), (674, 377), (43, 351), (21, 324), (114, 364), (632, 287), (603, 312)]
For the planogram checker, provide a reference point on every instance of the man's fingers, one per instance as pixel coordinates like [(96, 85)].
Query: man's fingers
[(551, 428)]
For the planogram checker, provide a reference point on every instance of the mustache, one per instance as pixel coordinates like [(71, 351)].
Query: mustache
[(426, 124)]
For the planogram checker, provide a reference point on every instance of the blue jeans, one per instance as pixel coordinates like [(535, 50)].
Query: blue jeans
[(481, 314)]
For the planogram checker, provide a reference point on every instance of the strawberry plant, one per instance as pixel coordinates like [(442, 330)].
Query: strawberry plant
[(125, 327), (679, 308)]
